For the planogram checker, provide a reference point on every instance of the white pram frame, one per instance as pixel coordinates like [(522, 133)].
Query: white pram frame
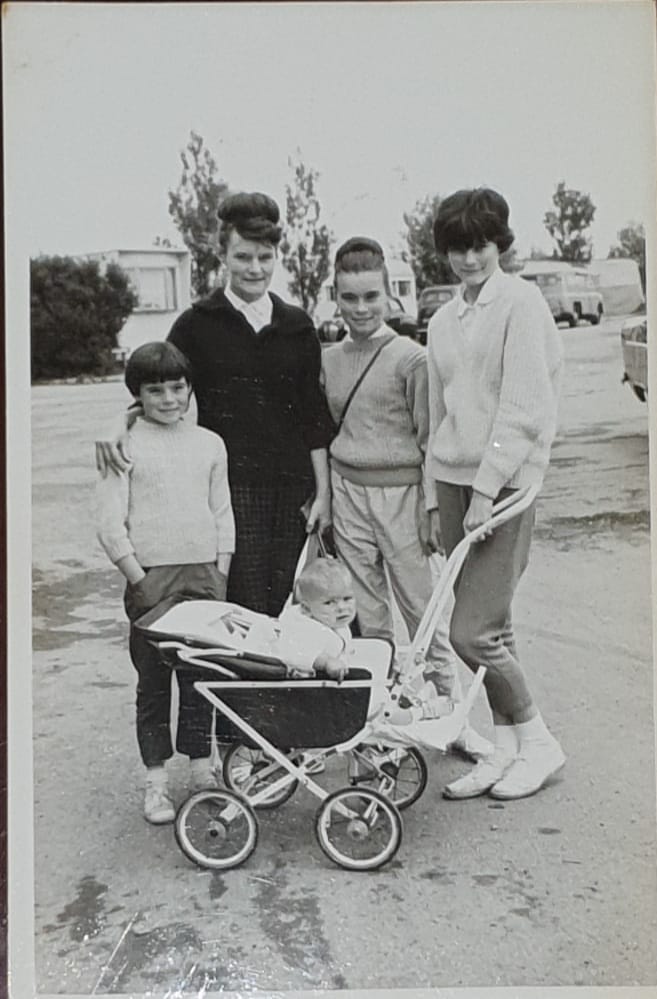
[(358, 827)]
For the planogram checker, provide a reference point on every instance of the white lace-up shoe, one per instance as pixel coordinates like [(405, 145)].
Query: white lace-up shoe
[(473, 745), (203, 777), (480, 779), (158, 807), (536, 763)]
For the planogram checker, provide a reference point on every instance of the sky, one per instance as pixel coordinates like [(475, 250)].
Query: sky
[(389, 102)]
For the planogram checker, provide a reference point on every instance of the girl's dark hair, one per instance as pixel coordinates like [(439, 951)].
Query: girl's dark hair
[(361, 254), (472, 218), (253, 216), (159, 361)]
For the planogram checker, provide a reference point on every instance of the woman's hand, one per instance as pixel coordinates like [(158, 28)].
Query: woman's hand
[(112, 452), (319, 515), (429, 531), (479, 511)]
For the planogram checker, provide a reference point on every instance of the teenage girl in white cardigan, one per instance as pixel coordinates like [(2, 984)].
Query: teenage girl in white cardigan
[(494, 365)]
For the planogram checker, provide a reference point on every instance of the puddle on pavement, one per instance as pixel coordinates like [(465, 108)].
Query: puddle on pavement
[(85, 915), (161, 956), (71, 606), (598, 529), (293, 923)]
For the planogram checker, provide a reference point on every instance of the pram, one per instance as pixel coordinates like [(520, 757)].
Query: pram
[(283, 727)]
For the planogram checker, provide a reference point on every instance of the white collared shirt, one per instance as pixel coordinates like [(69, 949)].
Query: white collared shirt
[(469, 313), (383, 330), (257, 314)]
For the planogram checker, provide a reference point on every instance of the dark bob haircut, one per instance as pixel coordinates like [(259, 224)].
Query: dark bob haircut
[(159, 361), (253, 216), (360, 254), (472, 218)]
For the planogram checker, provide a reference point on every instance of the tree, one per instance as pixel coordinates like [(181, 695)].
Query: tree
[(193, 208), (632, 244), (306, 245), (567, 224), (427, 266), (76, 313)]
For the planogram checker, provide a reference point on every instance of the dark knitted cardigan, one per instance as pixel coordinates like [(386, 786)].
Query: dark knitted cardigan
[(259, 391)]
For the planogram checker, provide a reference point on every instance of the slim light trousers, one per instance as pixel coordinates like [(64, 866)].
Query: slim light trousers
[(376, 530)]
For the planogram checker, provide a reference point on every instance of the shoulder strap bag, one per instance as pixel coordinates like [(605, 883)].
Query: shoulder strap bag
[(359, 382)]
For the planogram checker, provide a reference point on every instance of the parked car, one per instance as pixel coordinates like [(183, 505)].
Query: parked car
[(571, 294), (634, 345), (399, 320), (334, 329), (430, 300)]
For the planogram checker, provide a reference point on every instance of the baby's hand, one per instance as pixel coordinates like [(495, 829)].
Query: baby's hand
[(335, 669), (296, 673)]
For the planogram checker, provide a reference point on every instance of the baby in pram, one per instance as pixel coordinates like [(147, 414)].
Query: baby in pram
[(313, 635)]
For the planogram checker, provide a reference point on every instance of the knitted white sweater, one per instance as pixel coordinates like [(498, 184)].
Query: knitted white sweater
[(493, 387), (172, 507)]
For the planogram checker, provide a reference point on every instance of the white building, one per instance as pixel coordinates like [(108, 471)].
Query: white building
[(161, 277)]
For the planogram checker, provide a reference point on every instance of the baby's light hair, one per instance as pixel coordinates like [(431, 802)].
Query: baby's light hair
[(317, 578)]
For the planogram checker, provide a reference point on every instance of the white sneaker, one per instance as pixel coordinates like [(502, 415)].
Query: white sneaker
[(533, 767), (473, 745), (203, 777), (158, 807), (480, 779)]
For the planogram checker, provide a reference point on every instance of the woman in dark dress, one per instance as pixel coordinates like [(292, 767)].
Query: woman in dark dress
[(255, 363)]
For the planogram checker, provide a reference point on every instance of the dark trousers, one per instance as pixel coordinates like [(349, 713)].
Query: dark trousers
[(194, 728), (269, 537), (481, 629)]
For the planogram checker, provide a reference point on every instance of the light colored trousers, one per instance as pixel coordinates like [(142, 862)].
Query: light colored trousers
[(376, 529)]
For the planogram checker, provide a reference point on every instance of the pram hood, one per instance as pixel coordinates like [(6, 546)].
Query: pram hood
[(214, 623)]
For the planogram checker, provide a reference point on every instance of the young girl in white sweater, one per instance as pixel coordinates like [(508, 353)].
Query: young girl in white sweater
[(494, 368), (167, 524)]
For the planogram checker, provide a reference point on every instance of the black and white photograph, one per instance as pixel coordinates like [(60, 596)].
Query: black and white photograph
[(330, 642)]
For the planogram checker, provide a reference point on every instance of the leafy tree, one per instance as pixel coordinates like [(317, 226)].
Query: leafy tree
[(306, 245), (567, 224), (632, 244), (76, 313), (193, 208), (427, 266)]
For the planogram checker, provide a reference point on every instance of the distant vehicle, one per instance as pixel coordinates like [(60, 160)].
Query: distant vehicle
[(399, 320), (430, 300), (334, 329), (634, 346), (571, 294)]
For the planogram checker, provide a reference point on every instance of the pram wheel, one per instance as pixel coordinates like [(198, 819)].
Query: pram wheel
[(250, 771), (401, 773), (358, 828), (216, 829)]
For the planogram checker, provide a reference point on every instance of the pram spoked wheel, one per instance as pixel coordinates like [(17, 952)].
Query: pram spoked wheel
[(401, 772), (216, 829), (358, 828), (249, 771)]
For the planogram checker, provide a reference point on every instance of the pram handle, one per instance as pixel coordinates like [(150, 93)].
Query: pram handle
[(503, 511)]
